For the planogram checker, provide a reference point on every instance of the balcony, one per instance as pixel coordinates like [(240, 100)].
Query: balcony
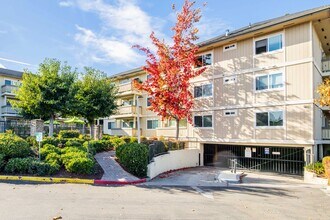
[(9, 111), (124, 132), (8, 90), (126, 112), (127, 89)]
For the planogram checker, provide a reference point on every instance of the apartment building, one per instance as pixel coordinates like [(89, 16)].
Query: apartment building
[(255, 103), (9, 81)]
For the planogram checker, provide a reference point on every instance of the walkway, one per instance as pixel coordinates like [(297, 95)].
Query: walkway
[(112, 170)]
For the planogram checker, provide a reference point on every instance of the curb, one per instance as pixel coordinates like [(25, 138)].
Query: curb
[(115, 182), (47, 179), (69, 180)]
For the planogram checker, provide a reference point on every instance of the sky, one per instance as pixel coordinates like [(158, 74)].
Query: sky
[(101, 33)]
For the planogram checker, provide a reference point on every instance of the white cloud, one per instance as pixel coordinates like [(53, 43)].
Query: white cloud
[(66, 3), (123, 24), (211, 27)]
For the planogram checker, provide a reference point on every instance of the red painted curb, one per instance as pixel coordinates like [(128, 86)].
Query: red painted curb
[(116, 182)]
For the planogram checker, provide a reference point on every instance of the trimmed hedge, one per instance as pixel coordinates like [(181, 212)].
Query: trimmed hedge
[(134, 157), (28, 166), (69, 134), (80, 165), (2, 161), (12, 146), (47, 149), (98, 146)]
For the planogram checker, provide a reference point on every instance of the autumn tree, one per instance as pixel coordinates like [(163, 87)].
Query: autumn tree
[(172, 67), (324, 91)]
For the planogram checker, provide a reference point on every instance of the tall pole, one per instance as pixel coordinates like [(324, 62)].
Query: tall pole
[(138, 119)]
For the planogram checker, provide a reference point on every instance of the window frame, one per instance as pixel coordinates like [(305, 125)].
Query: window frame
[(267, 37), (235, 111), (268, 126), (203, 115), (202, 85), (152, 119), (232, 79), (268, 81), (129, 80), (205, 53), (231, 48)]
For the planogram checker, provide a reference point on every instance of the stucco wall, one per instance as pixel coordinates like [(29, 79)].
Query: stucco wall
[(173, 160)]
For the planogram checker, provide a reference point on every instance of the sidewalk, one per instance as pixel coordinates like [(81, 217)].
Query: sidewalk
[(112, 170)]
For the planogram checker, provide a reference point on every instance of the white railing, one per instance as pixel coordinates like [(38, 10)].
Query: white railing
[(326, 133)]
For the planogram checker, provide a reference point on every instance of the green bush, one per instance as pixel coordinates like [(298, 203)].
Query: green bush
[(2, 161), (143, 139), (126, 139), (73, 143), (47, 149), (55, 161), (173, 145), (12, 146), (98, 146), (32, 140), (69, 134), (116, 142), (85, 137), (80, 165), (107, 137), (52, 141), (315, 168), (27, 166), (134, 140), (134, 157)]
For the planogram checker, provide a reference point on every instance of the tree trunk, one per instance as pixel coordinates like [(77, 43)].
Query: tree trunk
[(91, 124), (177, 129), (51, 126)]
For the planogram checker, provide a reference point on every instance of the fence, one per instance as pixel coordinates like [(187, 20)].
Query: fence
[(21, 128)]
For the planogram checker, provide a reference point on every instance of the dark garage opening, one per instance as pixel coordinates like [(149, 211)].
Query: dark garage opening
[(287, 160)]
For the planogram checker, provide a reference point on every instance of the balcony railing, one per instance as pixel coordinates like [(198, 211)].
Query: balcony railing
[(8, 89), (8, 110), (326, 65), (124, 131), (127, 110)]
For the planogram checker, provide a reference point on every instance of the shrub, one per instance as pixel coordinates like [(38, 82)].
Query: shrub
[(143, 139), (52, 141), (55, 161), (27, 166), (116, 142), (155, 149), (73, 143), (315, 168), (134, 140), (32, 140), (47, 149), (134, 157), (69, 134), (12, 146), (80, 165), (98, 146), (326, 165), (107, 137), (126, 139), (85, 137), (173, 145), (2, 161)]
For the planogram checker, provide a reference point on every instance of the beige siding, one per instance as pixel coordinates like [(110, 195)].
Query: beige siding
[(297, 41), (234, 60), (269, 59), (318, 117), (299, 82), (299, 122)]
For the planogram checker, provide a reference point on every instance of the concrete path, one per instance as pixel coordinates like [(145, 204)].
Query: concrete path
[(112, 170)]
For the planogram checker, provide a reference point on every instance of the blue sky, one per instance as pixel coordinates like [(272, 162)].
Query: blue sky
[(100, 33)]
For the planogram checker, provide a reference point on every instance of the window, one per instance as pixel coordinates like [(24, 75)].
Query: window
[(268, 82), (203, 121), (204, 60), (125, 81), (229, 79), (269, 44), (152, 124), (172, 123), (127, 124), (230, 113), (111, 125), (127, 102), (148, 101), (230, 47), (265, 119), (203, 90), (8, 82)]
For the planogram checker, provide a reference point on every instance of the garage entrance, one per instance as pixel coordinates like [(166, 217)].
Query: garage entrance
[(288, 160)]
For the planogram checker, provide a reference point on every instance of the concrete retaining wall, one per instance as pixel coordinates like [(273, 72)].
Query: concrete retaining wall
[(312, 178), (174, 160)]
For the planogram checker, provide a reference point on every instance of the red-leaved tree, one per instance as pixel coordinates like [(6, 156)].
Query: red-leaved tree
[(172, 68)]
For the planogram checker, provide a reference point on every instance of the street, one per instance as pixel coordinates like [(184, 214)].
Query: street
[(69, 201)]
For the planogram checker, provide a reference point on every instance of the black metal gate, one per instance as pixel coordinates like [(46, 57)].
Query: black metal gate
[(21, 128), (289, 160)]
